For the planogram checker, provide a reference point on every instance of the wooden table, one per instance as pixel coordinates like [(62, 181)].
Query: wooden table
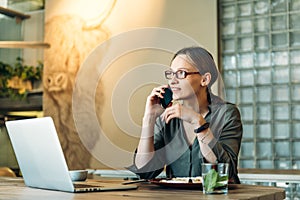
[(14, 189)]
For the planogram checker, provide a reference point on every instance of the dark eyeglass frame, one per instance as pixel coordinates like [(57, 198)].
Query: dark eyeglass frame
[(185, 74)]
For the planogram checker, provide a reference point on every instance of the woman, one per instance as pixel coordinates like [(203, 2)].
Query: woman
[(201, 128)]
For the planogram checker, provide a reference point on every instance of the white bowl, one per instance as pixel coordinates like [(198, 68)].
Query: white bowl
[(78, 175)]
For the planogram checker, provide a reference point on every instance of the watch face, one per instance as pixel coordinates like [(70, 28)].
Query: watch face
[(206, 125)]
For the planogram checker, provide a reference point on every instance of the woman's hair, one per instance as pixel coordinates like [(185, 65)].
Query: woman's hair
[(202, 60)]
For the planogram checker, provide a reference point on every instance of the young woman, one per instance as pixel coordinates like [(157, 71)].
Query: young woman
[(198, 127)]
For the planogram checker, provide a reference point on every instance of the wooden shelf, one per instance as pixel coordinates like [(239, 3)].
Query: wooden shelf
[(23, 44), (12, 13), (19, 44), (33, 102)]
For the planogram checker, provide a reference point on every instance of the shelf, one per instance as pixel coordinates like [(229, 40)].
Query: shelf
[(12, 13), (33, 102), (23, 44), (270, 175)]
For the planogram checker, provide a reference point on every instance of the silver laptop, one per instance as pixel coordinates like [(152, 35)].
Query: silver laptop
[(41, 159)]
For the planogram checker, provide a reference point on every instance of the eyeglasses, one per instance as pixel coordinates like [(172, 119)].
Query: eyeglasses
[(180, 74)]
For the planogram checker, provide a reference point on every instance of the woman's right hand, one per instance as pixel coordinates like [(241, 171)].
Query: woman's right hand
[(153, 106)]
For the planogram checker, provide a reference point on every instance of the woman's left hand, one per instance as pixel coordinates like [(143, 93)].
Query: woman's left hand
[(182, 112)]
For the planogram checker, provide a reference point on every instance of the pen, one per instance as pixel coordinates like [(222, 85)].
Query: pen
[(136, 181)]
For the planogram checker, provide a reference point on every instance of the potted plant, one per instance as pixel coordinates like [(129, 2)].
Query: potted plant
[(16, 81)]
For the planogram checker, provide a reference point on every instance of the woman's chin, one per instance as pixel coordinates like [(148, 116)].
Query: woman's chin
[(176, 98)]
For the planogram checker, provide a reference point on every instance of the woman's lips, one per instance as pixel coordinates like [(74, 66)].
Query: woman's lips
[(174, 89)]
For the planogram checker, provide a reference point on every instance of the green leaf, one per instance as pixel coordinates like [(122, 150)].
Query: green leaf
[(213, 180), (210, 180), (222, 178)]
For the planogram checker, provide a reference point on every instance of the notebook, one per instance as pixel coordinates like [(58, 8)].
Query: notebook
[(41, 159)]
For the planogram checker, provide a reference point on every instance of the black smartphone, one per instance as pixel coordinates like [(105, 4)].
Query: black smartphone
[(168, 97)]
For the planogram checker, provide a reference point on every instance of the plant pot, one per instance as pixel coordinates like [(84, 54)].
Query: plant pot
[(17, 83)]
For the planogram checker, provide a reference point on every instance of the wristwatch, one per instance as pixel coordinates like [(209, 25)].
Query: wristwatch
[(202, 128)]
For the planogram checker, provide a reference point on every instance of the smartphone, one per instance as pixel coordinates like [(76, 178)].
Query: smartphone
[(168, 97)]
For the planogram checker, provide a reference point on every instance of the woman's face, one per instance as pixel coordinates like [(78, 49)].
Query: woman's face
[(185, 89)]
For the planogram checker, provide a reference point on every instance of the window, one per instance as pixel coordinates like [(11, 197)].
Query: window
[(260, 61)]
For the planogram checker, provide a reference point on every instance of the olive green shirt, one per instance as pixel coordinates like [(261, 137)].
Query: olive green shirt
[(183, 160)]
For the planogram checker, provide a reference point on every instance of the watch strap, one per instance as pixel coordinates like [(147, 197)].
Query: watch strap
[(202, 128)]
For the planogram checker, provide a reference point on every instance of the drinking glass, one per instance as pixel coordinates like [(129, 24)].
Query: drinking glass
[(215, 178)]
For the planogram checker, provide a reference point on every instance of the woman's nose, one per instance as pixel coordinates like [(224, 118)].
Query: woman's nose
[(173, 80)]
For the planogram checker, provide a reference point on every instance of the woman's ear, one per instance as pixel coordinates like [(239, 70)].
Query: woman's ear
[(206, 78)]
